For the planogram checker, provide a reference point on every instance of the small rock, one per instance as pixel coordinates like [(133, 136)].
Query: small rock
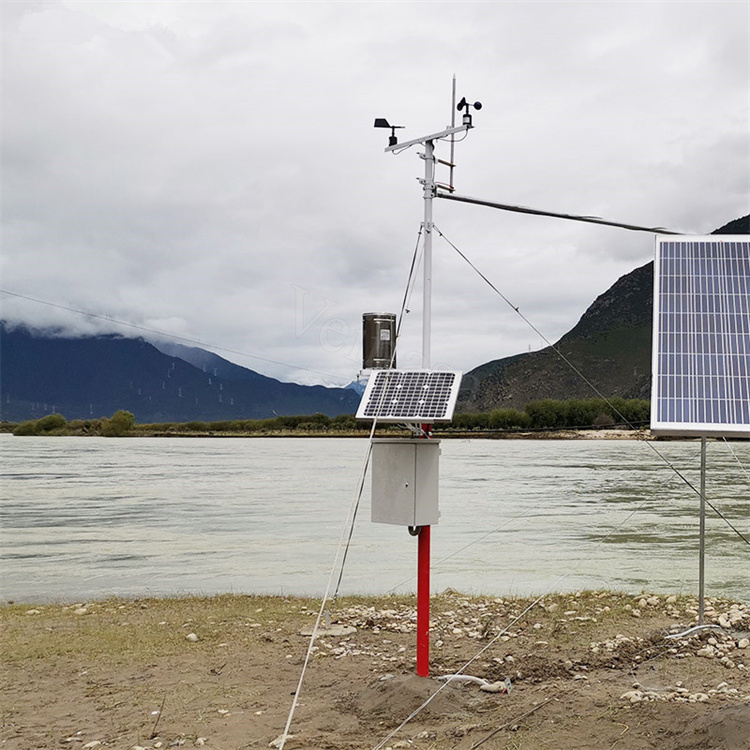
[(200, 741), (743, 643), (32, 612), (192, 637), (636, 612), (93, 743), (634, 696), (223, 712), (81, 611)]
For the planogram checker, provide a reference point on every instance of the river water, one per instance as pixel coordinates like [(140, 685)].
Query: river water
[(85, 518)]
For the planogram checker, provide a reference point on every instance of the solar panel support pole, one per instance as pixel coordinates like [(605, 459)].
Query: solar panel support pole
[(702, 544)]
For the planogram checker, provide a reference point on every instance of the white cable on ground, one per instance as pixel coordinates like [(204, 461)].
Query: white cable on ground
[(691, 630)]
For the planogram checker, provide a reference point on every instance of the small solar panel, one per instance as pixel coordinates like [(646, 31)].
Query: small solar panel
[(410, 396), (701, 344)]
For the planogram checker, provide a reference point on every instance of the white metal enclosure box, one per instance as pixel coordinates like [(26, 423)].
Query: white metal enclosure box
[(405, 481)]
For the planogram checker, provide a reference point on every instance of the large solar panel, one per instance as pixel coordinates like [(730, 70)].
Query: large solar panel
[(701, 344), (410, 396)]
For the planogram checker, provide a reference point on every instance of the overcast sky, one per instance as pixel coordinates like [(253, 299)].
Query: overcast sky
[(210, 169)]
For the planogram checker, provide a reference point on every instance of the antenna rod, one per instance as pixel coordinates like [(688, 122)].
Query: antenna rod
[(453, 137)]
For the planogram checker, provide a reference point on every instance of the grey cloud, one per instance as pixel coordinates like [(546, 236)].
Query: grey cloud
[(192, 166)]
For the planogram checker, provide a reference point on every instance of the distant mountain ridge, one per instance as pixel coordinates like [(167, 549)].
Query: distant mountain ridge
[(169, 382), (95, 376), (610, 346)]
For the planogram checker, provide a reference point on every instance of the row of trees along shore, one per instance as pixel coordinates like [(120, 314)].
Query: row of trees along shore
[(546, 414)]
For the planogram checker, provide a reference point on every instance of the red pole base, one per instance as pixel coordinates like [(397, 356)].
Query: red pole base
[(423, 602)]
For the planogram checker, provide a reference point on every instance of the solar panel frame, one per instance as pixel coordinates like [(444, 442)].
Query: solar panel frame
[(701, 337), (405, 396)]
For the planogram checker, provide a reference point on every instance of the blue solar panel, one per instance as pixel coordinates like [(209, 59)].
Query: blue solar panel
[(410, 396), (701, 345)]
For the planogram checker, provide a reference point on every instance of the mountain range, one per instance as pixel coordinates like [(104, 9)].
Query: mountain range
[(97, 375), (607, 353)]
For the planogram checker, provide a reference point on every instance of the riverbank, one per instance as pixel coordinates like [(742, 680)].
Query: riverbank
[(438, 433), (148, 431), (586, 670)]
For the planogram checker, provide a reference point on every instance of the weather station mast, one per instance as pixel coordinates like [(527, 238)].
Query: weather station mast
[(430, 188), (405, 474)]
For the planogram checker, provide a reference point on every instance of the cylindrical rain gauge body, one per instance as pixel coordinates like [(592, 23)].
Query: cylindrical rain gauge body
[(378, 341)]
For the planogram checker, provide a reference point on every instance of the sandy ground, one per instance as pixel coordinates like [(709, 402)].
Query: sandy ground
[(587, 670)]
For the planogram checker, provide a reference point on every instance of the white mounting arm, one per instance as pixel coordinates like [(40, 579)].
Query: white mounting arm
[(425, 138)]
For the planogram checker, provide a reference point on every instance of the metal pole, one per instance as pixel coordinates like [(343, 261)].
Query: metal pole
[(423, 540), (423, 602), (702, 550), (429, 194)]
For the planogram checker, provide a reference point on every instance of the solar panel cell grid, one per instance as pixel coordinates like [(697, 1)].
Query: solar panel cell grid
[(701, 370), (410, 396)]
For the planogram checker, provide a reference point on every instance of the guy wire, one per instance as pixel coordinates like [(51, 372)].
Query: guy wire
[(348, 527), (372, 432), (743, 468), (557, 351)]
